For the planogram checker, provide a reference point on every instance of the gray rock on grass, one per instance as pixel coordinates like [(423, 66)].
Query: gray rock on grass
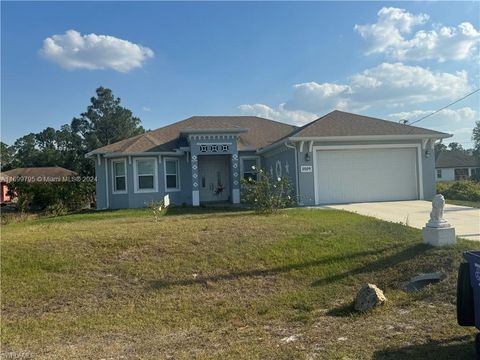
[(368, 297)]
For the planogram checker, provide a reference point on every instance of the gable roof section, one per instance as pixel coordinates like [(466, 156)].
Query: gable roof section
[(455, 159), (37, 174), (260, 132), (340, 123)]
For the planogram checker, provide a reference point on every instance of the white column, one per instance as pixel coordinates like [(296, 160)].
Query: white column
[(195, 192), (195, 198), (235, 170), (236, 196)]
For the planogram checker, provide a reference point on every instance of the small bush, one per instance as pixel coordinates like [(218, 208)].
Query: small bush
[(460, 190), (476, 177), (56, 209), (156, 208), (51, 197), (443, 186), (267, 194)]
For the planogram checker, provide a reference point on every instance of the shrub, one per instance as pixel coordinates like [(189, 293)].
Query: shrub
[(53, 197), (267, 194), (460, 190), (442, 187), (56, 209), (476, 177), (156, 208)]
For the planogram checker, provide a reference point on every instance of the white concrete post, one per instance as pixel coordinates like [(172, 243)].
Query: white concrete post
[(438, 232)]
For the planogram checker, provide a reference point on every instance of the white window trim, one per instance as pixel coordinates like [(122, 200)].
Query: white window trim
[(136, 190), (178, 188), (242, 158), (124, 160), (419, 170)]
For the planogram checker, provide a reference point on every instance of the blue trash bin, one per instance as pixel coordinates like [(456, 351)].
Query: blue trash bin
[(473, 259), (468, 293)]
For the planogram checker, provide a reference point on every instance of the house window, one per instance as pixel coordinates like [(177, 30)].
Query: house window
[(146, 175), (172, 181), (475, 172), (461, 174), (439, 173), (249, 167), (119, 171)]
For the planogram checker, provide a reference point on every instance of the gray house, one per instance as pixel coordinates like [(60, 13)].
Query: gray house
[(339, 158), (456, 165)]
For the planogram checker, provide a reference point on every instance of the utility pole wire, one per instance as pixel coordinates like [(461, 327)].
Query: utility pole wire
[(443, 108)]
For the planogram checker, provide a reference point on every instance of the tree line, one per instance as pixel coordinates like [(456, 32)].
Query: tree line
[(104, 122), (453, 146)]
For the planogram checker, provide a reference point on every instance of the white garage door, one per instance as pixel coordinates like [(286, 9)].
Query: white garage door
[(360, 175)]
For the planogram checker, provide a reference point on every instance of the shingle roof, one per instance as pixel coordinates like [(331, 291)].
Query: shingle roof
[(260, 132), (340, 123), (453, 159), (37, 173)]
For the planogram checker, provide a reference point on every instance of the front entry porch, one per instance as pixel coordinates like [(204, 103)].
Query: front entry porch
[(215, 165), (214, 178)]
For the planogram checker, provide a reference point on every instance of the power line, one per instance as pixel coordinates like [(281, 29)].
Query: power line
[(443, 108)]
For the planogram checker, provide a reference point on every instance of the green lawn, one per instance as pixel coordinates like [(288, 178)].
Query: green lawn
[(475, 204), (224, 285)]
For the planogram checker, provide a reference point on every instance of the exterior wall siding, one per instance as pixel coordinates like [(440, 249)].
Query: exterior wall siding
[(428, 167), (306, 184), (100, 191), (281, 162), (139, 200), (448, 174)]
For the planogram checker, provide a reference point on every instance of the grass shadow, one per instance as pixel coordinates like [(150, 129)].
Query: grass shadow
[(384, 262), (345, 310), (159, 284), (461, 347), (201, 210), (41, 217)]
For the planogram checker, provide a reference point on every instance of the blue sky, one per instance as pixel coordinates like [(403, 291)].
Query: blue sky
[(288, 61)]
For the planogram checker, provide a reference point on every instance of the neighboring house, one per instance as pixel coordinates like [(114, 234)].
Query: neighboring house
[(31, 175), (339, 158), (456, 165)]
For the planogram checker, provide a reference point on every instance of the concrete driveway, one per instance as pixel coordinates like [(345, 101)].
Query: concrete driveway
[(416, 213)]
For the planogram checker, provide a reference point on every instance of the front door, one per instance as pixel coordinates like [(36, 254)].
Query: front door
[(213, 178)]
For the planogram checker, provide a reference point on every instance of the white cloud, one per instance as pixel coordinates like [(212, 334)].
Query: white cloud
[(379, 89), (298, 117), (390, 35), (462, 136), (390, 85), (459, 122), (387, 31), (146, 109), (73, 50), (444, 117), (314, 97)]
